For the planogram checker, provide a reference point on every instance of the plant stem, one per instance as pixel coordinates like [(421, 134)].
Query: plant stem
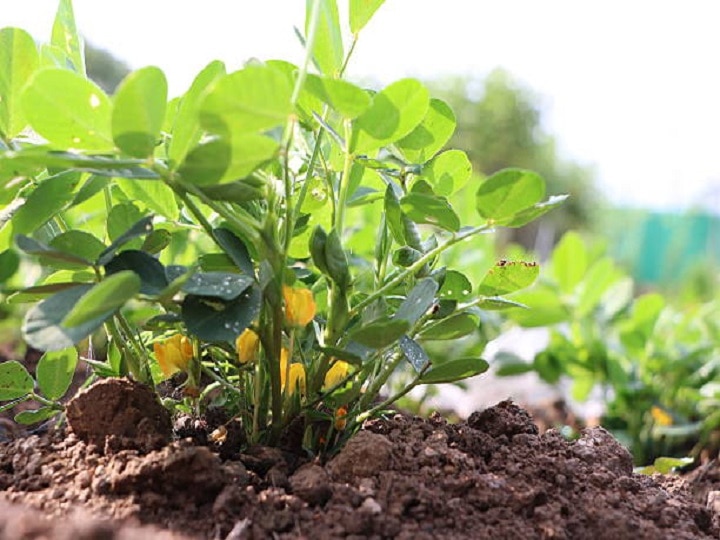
[(379, 381), (138, 349), (417, 265)]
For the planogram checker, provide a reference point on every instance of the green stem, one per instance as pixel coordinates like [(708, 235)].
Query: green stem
[(138, 350), (417, 265), (309, 45), (344, 185), (47, 402), (379, 381)]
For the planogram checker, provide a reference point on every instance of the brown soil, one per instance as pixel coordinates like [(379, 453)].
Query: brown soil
[(493, 476)]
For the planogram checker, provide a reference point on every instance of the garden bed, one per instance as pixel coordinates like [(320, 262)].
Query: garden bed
[(493, 476)]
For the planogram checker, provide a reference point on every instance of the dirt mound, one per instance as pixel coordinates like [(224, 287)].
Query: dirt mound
[(403, 477)]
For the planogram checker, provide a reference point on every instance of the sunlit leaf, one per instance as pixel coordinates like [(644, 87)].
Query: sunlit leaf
[(447, 172), (507, 277), (346, 98), (569, 261), (430, 209), (394, 112), (139, 111), (361, 11), (18, 61), (328, 46), (55, 372), (66, 38), (157, 196), (254, 98), (186, 129), (68, 110), (453, 327), (508, 192), (428, 138)]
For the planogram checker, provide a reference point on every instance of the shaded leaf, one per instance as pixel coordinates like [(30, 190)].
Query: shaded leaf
[(418, 301), (379, 333), (414, 353), (34, 416), (455, 370), (15, 381), (150, 271), (212, 319)]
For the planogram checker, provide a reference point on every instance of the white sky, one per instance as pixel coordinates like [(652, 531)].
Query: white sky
[(631, 87)]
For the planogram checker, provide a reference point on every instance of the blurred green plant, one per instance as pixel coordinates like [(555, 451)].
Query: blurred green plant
[(223, 236), (655, 364)]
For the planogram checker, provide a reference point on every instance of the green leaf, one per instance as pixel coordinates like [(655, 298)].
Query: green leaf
[(507, 277), (15, 381), (42, 327), (9, 264), (508, 364), (361, 11), (18, 61), (53, 195), (508, 192), (36, 415), (394, 112), (430, 209), (600, 277), (207, 162), (569, 261), (33, 247), (150, 271), (453, 327), (121, 218), (454, 370), (186, 131), (426, 140), (66, 38), (447, 172), (379, 333), (78, 243), (545, 308), (248, 152), (103, 299), (497, 303), (328, 46), (318, 241), (235, 249), (139, 111), (55, 372), (336, 260), (252, 99), (238, 192), (414, 353), (157, 196), (529, 214), (418, 301), (142, 227), (68, 110), (224, 285), (455, 287), (212, 319), (347, 99)]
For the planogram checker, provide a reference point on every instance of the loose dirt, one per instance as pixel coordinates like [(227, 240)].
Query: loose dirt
[(494, 476)]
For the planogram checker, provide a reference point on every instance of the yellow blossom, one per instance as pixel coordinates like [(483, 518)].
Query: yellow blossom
[(173, 354), (661, 417), (335, 374), (296, 375), (340, 418), (299, 306), (247, 345)]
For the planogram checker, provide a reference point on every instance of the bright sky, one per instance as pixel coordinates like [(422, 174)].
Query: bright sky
[(632, 88)]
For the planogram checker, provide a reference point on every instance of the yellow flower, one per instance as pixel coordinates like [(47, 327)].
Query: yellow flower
[(340, 418), (173, 354), (299, 306), (247, 345), (296, 375), (335, 374), (661, 417)]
